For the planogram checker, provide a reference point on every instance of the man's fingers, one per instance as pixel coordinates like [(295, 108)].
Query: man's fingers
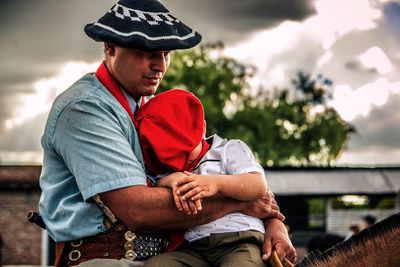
[(266, 249), (274, 207), (272, 211), (280, 252), (291, 255), (192, 206), (285, 251), (177, 201), (185, 206), (198, 204), (277, 214)]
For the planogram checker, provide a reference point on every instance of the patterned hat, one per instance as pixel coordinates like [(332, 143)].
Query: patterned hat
[(144, 24), (169, 126)]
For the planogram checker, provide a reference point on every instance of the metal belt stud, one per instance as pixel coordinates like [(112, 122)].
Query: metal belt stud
[(130, 255), (130, 236), (76, 243), (74, 255), (129, 245)]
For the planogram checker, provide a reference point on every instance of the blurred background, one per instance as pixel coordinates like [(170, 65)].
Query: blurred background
[(312, 86)]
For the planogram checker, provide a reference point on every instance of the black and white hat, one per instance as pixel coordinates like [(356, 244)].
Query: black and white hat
[(144, 24)]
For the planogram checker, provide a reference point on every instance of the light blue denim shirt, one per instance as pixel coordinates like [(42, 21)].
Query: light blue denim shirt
[(90, 146)]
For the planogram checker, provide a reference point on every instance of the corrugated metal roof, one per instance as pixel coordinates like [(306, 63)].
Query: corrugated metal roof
[(394, 177), (282, 181), (333, 181)]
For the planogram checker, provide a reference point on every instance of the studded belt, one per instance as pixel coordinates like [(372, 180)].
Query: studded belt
[(114, 245)]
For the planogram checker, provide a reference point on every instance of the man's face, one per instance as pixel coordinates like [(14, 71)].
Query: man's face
[(139, 72)]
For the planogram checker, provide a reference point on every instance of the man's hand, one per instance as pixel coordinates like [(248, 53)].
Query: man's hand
[(188, 205), (264, 207), (277, 238)]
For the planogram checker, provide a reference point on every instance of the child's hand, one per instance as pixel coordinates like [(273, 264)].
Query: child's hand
[(195, 187), (170, 181)]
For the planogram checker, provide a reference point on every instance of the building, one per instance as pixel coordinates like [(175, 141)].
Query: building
[(19, 192), (294, 188)]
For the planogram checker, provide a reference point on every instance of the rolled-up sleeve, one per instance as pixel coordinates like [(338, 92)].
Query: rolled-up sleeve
[(97, 148)]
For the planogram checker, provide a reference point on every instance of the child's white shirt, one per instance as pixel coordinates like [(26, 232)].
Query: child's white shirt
[(227, 157)]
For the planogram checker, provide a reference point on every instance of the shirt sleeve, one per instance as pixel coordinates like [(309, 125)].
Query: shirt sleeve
[(238, 158), (99, 148)]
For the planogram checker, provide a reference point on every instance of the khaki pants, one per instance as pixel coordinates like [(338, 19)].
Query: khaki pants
[(224, 249), (111, 263)]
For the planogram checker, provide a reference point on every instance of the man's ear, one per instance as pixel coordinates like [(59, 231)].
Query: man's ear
[(109, 49)]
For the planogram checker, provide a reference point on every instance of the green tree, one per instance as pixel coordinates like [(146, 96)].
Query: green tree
[(280, 132), (216, 82)]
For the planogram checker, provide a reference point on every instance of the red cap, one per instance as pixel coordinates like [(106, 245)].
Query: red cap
[(170, 126)]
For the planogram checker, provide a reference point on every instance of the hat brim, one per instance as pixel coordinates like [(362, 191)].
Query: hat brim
[(127, 26), (138, 40)]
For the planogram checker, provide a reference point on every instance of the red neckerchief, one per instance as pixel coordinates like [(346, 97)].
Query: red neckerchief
[(108, 81)]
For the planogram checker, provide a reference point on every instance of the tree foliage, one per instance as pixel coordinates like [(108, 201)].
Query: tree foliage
[(280, 131)]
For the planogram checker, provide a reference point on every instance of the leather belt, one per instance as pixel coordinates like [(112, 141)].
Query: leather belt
[(113, 245)]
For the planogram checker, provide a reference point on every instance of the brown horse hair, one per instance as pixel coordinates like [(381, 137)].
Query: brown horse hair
[(377, 245)]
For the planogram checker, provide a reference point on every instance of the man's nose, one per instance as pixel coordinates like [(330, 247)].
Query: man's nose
[(160, 62)]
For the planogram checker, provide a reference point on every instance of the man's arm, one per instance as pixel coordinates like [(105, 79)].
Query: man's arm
[(153, 209)]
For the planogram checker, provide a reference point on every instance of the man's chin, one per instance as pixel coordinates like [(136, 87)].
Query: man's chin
[(150, 91)]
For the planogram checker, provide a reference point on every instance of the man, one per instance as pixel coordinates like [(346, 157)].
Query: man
[(93, 180)]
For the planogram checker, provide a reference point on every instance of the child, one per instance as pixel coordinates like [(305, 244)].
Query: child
[(171, 132)]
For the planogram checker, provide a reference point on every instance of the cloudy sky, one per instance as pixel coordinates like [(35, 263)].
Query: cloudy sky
[(356, 43)]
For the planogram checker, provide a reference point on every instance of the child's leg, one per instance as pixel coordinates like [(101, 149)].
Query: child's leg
[(246, 254), (238, 249), (180, 258)]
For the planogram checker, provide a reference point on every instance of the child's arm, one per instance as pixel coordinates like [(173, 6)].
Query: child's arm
[(246, 186)]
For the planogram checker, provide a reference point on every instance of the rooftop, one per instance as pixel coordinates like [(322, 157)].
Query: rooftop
[(282, 181)]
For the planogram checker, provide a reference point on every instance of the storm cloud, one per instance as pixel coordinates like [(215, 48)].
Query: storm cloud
[(280, 37)]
